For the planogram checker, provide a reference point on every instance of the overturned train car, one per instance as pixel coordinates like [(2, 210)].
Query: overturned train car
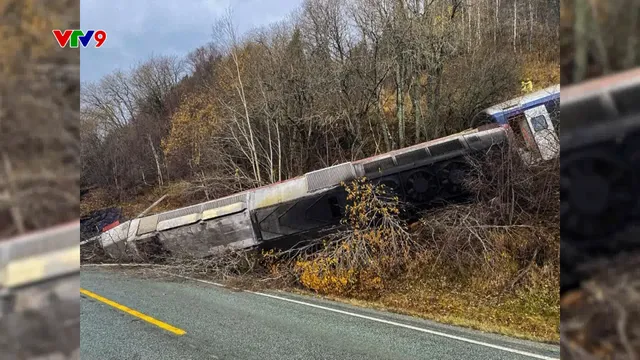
[(309, 205), (600, 173), (534, 120)]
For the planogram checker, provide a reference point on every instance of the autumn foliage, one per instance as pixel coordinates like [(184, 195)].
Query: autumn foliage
[(339, 81), (373, 250), (39, 118), (500, 252)]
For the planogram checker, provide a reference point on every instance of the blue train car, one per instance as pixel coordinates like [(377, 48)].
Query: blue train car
[(533, 120), (548, 97)]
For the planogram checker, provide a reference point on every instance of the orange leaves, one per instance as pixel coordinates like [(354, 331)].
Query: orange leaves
[(322, 276), (25, 32), (192, 126), (372, 251)]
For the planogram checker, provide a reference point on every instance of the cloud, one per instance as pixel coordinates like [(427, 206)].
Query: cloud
[(138, 28)]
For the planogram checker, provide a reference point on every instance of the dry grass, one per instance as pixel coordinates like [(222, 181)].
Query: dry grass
[(493, 264), (600, 320), (179, 194), (39, 116)]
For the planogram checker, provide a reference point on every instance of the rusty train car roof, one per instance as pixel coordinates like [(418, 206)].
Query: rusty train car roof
[(599, 85), (597, 109), (416, 146)]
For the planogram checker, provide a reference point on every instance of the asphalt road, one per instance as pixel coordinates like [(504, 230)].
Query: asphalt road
[(220, 323)]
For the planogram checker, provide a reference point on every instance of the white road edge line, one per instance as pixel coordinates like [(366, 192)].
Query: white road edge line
[(432, 332)]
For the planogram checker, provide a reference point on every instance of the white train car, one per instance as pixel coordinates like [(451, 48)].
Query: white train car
[(309, 205)]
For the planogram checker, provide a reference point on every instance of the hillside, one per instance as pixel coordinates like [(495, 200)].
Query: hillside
[(341, 81), (300, 95), (39, 118)]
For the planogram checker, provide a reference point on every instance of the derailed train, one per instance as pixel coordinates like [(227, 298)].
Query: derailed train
[(313, 204), (39, 281), (600, 174)]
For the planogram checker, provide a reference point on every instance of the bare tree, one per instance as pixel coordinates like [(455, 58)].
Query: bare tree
[(337, 81), (226, 35)]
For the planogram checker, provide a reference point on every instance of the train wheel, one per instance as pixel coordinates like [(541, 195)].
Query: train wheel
[(452, 177), (422, 186)]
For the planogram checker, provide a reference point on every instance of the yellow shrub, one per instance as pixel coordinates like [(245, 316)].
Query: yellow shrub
[(320, 275), (372, 250)]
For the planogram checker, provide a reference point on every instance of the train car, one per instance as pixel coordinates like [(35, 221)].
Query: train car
[(40, 281), (534, 121), (310, 205), (600, 172)]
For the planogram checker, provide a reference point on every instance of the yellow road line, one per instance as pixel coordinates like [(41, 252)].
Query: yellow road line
[(135, 313)]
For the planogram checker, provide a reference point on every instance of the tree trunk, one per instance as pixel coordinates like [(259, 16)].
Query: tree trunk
[(496, 25), (632, 41), (530, 27), (464, 38), (253, 149), (601, 49), (386, 133), (155, 156), (271, 169), (581, 11), (478, 32), (469, 37), (515, 24), (279, 151), (436, 99), (415, 103), (399, 100)]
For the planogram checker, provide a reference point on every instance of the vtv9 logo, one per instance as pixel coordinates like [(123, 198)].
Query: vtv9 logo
[(75, 38)]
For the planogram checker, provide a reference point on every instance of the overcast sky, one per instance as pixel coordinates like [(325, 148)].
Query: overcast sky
[(137, 29)]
